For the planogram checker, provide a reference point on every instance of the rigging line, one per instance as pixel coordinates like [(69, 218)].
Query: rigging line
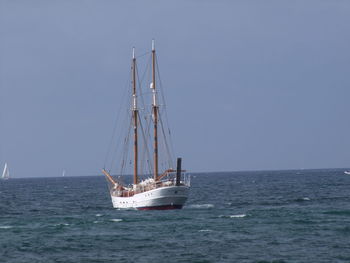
[(120, 141), (147, 69), (125, 161), (141, 80), (148, 135), (142, 110), (144, 156), (165, 142), (124, 138), (115, 127), (167, 147), (146, 148), (126, 148), (148, 73), (148, 119), (148, 138), (139, 88), (115, 155), (166, 113), (144, 54), (148, 114), (145, 111), (118, 152)]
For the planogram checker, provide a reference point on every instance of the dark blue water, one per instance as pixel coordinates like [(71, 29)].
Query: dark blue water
[(280, 216)]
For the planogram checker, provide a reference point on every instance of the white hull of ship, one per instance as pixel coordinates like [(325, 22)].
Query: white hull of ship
[(167, 197)]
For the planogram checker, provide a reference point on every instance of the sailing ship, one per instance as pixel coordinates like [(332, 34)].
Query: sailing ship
[(5, 173), (150, 190)]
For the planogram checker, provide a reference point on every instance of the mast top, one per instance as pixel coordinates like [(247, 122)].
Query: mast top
[(153, 48), (133, 53)]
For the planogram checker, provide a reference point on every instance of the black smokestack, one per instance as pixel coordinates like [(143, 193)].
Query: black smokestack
[(178, 172)]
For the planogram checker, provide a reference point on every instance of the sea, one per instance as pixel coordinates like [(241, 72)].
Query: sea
[(259, 216)]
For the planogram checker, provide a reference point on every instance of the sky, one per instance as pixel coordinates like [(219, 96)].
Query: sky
[(250, 85)]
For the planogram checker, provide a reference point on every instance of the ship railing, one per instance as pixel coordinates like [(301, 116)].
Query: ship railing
[(168, 180)]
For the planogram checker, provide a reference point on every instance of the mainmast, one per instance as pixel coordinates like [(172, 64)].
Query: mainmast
[(155, 112), (134, 113)]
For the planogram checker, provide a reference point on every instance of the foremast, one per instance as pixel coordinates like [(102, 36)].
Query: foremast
[(134, 110), (154, 113)]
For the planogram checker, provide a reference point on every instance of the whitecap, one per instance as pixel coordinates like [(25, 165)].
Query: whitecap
[(116, 220), (95, 222), (62, 224), (98, 215), (306, 198), (201, 206), (238, 216), (5, 227), (205, 230)]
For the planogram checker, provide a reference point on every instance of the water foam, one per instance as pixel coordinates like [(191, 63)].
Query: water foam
[(238, 216), (5, 227), (205, 230), (201, 206), (116, 220), (61, 224)]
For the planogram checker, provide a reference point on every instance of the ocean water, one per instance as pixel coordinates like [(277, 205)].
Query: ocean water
[(276, 216)]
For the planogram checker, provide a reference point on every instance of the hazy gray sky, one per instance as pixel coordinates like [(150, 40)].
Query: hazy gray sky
[(249, 84)]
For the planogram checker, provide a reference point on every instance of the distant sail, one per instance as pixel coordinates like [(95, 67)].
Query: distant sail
[(5, 173), (63, 173)]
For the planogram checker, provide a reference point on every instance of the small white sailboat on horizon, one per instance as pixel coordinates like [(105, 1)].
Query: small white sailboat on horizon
[(5, 173)]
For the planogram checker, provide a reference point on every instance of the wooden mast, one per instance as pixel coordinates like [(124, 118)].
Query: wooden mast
[(135, 113), (155, 112)]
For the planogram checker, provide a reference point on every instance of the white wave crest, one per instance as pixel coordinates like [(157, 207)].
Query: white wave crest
[(238, 216), (201, 206), (98, 215), (116, 219), (5, 227), (205, 230)]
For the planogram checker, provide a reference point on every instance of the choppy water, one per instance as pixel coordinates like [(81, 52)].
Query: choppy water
[(280, 216)]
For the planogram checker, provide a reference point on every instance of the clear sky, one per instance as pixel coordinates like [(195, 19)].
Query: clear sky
[(250, 85)]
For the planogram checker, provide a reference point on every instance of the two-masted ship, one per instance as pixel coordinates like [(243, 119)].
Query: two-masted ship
[(150, 189)]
